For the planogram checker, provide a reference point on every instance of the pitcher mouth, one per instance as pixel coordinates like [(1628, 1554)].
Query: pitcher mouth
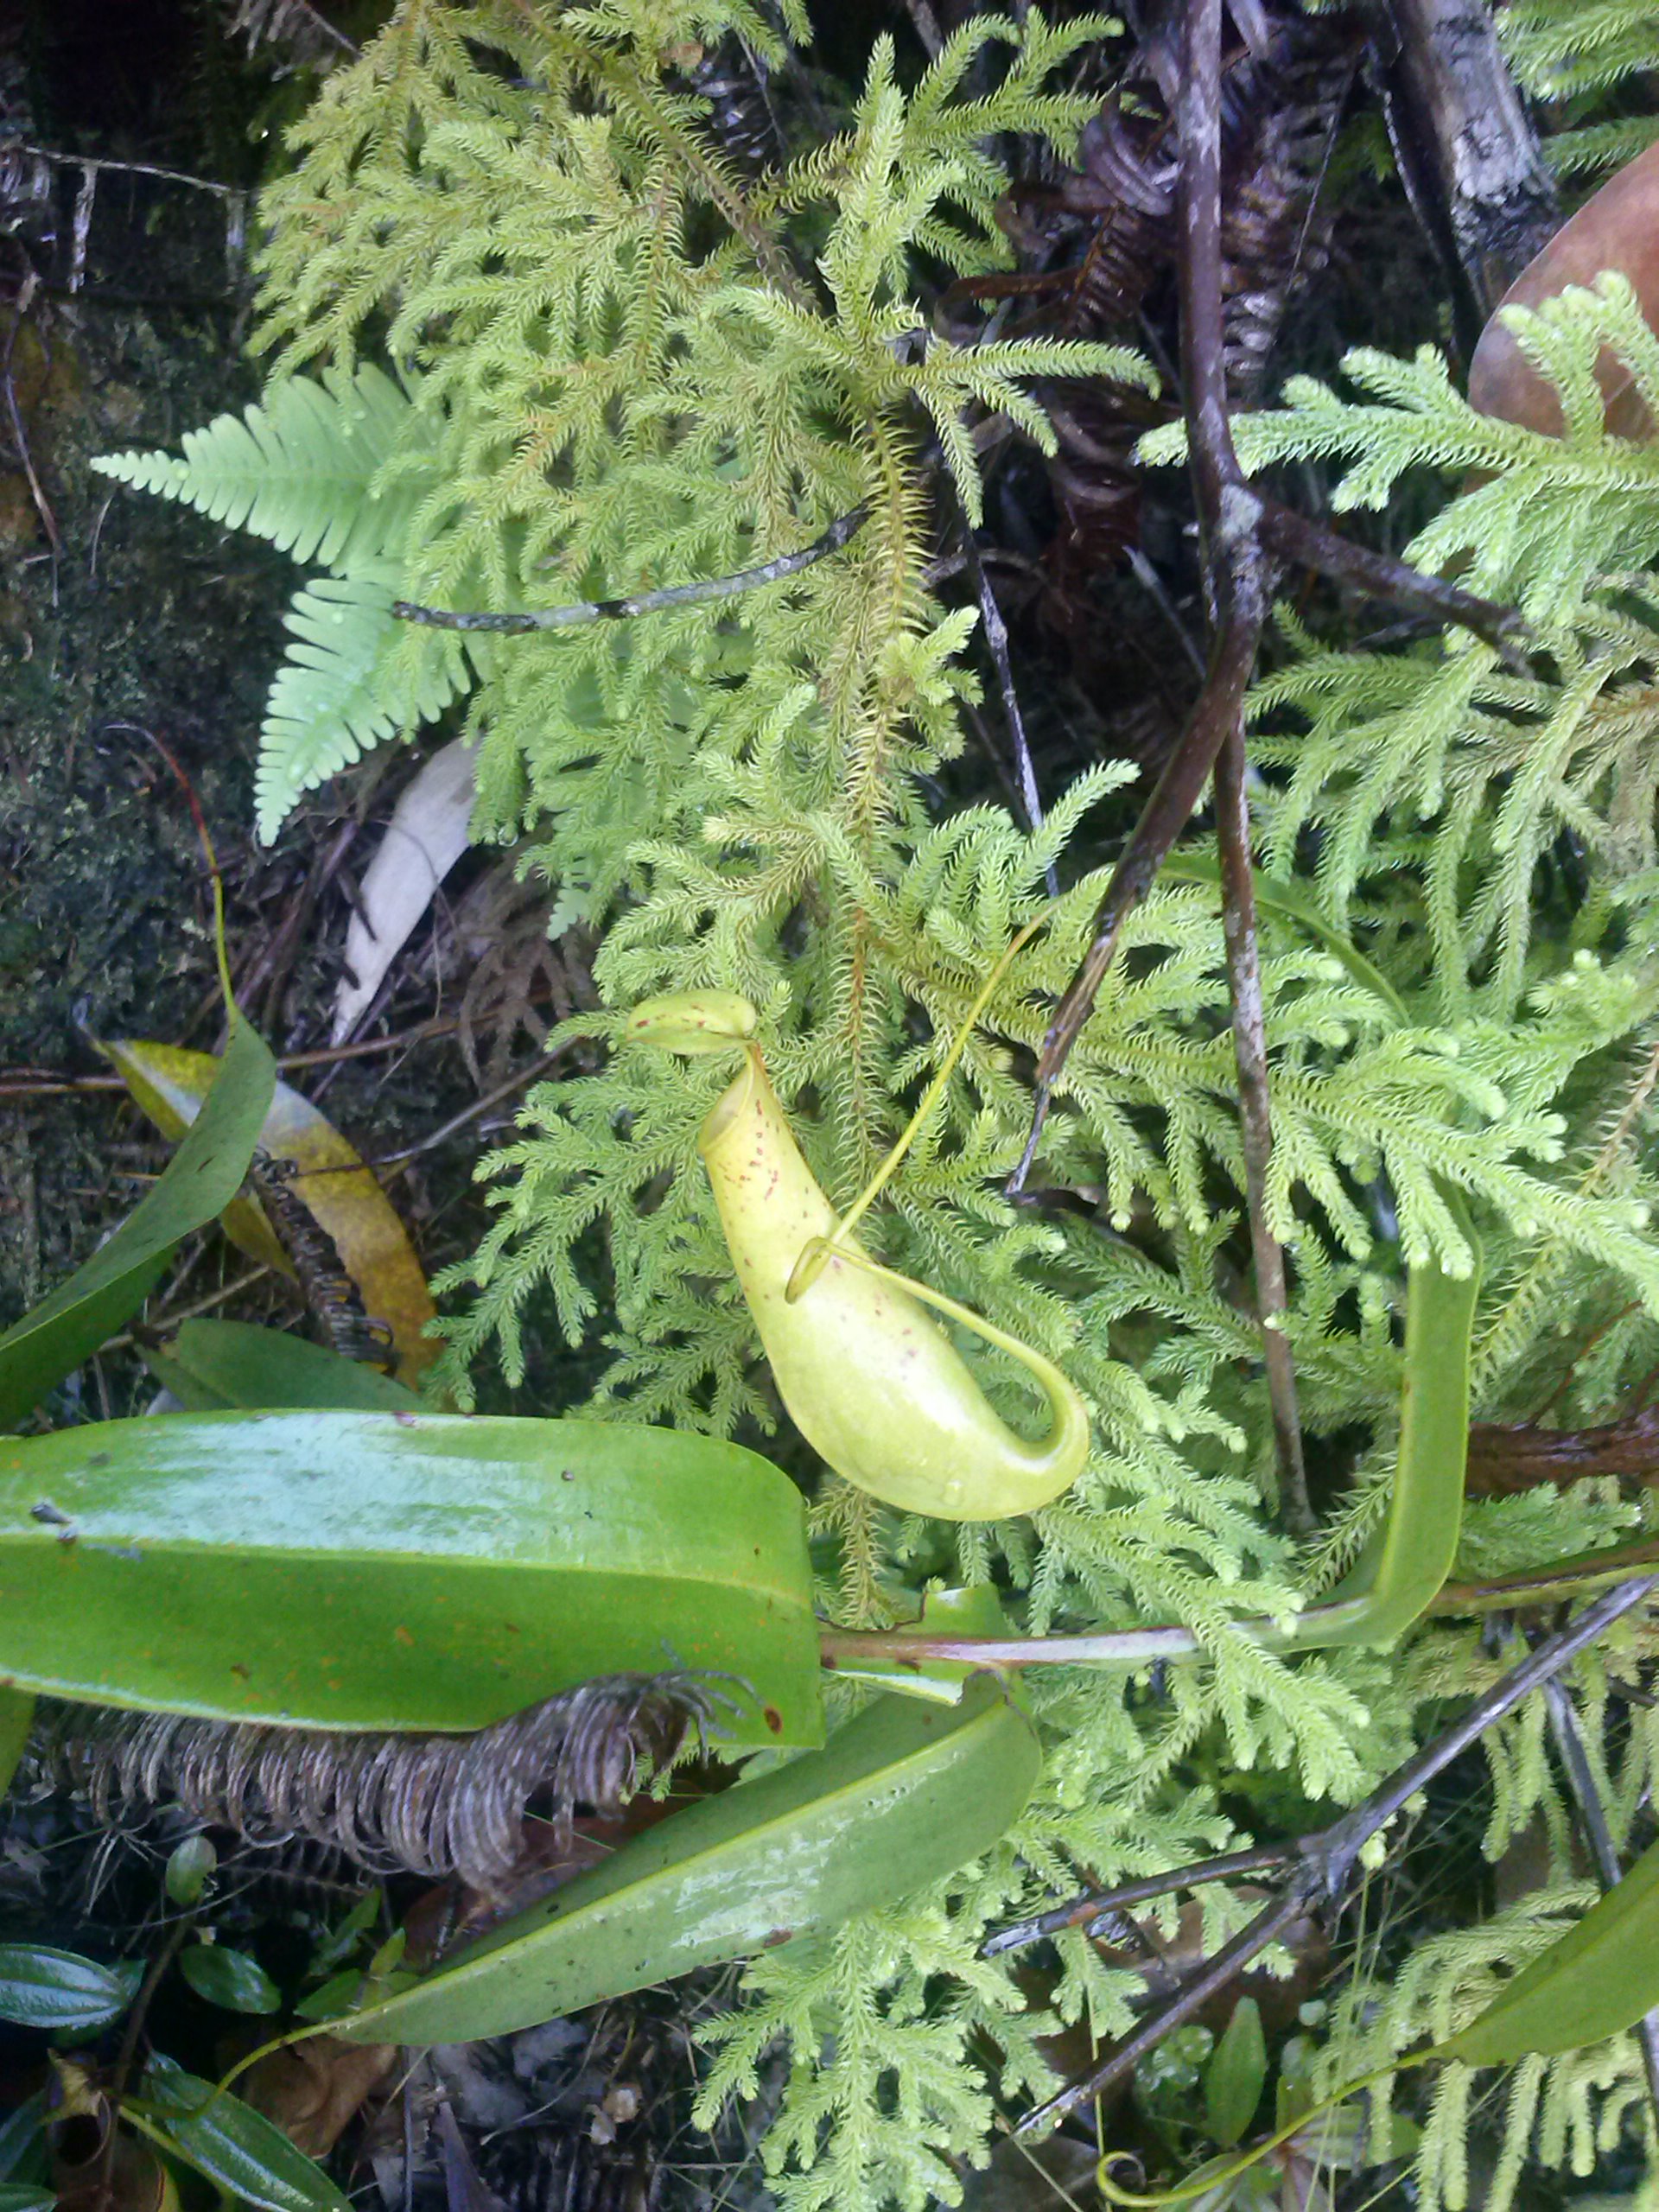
[(727, 1107)]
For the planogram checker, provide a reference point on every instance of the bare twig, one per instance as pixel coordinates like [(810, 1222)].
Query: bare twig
[(467, 1114), (582, 611), (20, 440), (1466, 149), (46, 1083), (1094, 1904), (1229, 513), (160, 1325), (1327, 1858), (1316, 545), (1575, 1765), (104, 2189), (996, 644)]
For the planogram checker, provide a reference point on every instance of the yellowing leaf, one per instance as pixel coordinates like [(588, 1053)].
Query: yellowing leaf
[(330, 1180)]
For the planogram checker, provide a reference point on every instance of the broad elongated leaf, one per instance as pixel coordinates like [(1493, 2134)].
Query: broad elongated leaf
[(246, 2154), (230, 1979), (200, 1181), (27, 2200), (1237, 2074), (896, 1799), (20, 2131), (221, 1366), (41, 1987), (330, 1182), (1598, 1980), (362, 1570)]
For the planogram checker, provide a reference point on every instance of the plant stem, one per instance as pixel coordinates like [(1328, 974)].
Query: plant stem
[(1316, 545), (1326, 1860), (582, 610), (1229, 513)]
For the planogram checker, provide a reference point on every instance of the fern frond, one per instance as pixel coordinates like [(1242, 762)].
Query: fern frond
[(301, 467), (353, 677)]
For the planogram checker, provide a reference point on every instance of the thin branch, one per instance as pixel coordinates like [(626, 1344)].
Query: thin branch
[(1229, 513), (1563, 1727), (1231, 1961), (1379, 575), (996, 644), (467, 1114), (582, 610), (97, 167), (1256, 1124), (1327, 1858), (1094, 1904), (46, 1083)]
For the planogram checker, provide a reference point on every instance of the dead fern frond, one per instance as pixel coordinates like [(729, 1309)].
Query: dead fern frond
[(432, 1805), (302, 31)]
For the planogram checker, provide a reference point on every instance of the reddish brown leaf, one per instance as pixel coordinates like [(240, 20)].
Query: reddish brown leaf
[(1616, 228)]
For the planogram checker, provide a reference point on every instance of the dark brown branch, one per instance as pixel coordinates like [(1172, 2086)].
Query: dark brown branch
[(1466, 152), (996, 644), (1229, 513), (1095, 1904), (648, 602), (1315, 545), (1327, 1858), (1503, 1461)]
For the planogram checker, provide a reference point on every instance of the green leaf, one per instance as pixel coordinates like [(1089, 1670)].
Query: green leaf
[(200, 1179), (339, 1942), (295, 468), (900, 1797), (16, 1719), (1598, 1980), (58, 1990), (246, 2154), (224, 1366), (27, 2200), (1237, 2074), (19, 2133), (353, 678), (189, 1871), (329, 1182), (404, 1571), (230, 1979)]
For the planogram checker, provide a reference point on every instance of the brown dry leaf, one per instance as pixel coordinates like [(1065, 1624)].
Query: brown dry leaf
[(330, 1181), (1616, 228), (426, 835), (314, 2089)]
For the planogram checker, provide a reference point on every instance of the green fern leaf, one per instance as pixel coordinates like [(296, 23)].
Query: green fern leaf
[(354, 677), (298, 469)]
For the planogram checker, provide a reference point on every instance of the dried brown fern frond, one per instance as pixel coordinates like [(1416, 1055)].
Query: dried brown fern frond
[(432, 1805), (332, 1298), (303, 32), (1098, 247)]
